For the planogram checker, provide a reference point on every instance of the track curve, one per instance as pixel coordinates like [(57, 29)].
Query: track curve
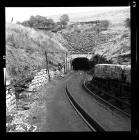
[(95, 114), (104, 101), (93, 125)]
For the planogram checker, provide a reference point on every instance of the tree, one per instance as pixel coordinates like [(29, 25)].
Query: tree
[(39, 22), (64, 19)]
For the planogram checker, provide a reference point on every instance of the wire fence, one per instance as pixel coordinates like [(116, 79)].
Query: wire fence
[(68, 56)]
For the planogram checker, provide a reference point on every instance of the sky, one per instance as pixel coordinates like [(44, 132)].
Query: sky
[(23, 13)]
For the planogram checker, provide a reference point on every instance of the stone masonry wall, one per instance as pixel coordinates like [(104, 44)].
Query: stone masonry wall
[(10, 101), (41, 78), (113, 71), (15, 117)]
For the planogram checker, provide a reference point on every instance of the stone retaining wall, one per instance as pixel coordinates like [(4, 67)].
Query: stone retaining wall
[(15, 112), (41, 78), (113, 71), (10, 101)]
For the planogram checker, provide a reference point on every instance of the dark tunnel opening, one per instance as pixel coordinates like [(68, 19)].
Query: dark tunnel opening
[(80, 63)]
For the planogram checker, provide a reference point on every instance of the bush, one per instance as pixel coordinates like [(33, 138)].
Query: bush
[(39, 22), (98, 59), (64, 19)]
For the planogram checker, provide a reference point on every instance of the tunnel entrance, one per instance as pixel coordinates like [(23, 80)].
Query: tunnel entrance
[(80, 63)]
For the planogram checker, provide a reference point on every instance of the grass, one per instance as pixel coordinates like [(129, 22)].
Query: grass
[(25, 48)]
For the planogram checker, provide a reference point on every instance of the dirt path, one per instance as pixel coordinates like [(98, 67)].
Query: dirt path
[(59, 115)]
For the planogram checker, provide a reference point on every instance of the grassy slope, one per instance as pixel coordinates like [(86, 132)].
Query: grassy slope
[(118, 44), (25, 47)]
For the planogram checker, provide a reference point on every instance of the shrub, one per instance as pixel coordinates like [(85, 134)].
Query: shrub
[(98, 59)]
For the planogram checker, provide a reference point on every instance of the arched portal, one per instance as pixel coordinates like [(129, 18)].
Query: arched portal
[(71, 56), (80, 63)]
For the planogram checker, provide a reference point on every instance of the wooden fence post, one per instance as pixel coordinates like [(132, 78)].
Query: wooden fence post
[(47, 67), (66, 63)]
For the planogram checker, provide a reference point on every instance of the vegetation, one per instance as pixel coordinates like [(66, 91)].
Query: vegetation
[(25, 49), (103, 39), (40, 22), (97, 59), (64, 19)]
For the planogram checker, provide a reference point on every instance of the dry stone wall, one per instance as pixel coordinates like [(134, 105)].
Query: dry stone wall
[(16, 116), (10, 101), (41, 78)]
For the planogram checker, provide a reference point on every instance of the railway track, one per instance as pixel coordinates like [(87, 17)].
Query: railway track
[(105, 98), (92, 124)]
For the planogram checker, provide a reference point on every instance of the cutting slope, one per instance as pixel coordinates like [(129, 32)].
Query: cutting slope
[(112, 43), (25, 49)]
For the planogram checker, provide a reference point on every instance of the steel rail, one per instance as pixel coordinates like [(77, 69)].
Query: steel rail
[(103, 100), (116, 98), (92, 124)]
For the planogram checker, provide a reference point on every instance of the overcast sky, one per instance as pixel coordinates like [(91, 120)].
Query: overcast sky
[(24, 13)]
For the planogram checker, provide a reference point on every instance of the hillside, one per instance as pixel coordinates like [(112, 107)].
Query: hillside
[(25, 49), (113, 43), (25, 46)]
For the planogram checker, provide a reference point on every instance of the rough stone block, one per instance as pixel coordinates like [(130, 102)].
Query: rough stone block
[(37, 77), (8, 96)]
